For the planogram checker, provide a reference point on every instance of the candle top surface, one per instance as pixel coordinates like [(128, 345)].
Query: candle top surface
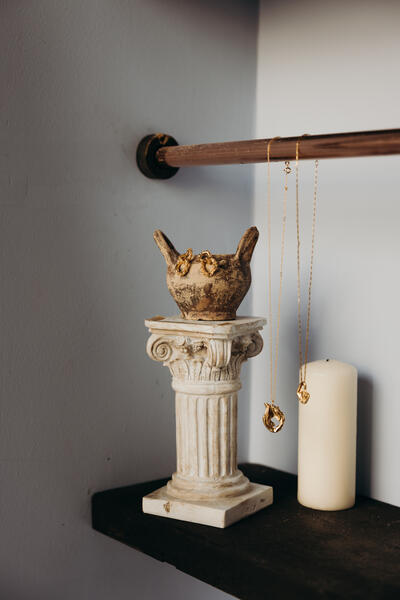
[(328, 366)]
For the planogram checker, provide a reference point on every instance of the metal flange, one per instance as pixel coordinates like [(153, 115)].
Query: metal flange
[(146, 156)]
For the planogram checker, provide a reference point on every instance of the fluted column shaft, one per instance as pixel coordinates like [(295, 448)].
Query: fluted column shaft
[(206, 435)]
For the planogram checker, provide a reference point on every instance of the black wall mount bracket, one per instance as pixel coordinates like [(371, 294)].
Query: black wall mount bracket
[(146, 156)]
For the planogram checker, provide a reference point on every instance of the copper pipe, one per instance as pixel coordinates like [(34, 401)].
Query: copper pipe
[(168, 156)]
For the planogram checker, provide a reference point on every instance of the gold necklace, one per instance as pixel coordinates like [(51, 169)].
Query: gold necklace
[(272, 411), (302, 393)]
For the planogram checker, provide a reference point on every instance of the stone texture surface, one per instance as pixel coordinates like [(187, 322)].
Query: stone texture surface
[(205, 359)]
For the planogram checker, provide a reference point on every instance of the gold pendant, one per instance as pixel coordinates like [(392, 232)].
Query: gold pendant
[(273, 412), (302, 393)]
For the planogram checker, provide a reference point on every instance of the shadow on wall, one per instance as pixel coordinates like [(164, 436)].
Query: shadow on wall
[(364, 434)]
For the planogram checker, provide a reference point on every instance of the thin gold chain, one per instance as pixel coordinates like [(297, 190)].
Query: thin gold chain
[(303, 366), (269, 268), (287, 171), (274, 359), (311, 265)]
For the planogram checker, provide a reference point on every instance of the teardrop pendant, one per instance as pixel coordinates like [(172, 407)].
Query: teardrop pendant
[(302, 393)]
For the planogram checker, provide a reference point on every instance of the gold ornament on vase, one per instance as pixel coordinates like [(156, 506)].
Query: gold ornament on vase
[(183, 263), (208, 264)]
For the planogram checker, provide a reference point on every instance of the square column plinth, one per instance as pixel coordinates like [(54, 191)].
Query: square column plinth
[(205, 358)]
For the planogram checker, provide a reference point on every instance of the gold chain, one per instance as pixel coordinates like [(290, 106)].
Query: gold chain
[(271, 410), (302, 392)]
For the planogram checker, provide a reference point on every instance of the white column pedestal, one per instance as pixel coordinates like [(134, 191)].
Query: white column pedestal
[(205, 358)]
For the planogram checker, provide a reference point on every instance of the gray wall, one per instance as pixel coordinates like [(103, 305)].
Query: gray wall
[(331, 67), (82, 407)]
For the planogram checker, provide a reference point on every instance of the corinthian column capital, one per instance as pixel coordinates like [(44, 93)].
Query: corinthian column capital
[(204, 350)]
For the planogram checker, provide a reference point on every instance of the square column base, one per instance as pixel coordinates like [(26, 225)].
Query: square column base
[(220, 512)]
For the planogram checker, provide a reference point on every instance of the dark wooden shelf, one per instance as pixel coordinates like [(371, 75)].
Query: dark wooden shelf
[(284, 551)]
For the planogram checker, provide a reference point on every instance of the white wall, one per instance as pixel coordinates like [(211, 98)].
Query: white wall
[(332, 67), (82, 407)]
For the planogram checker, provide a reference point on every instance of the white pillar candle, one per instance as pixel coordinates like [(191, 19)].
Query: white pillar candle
[(327, 437)]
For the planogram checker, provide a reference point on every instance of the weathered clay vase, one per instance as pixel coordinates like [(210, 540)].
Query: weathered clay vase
[(208, 287)]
